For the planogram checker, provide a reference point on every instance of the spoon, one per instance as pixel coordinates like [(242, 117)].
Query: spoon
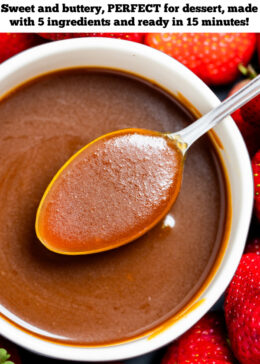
[(122, 184)]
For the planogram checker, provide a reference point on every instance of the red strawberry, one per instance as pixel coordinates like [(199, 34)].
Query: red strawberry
[(253, 246), (12, 43), (251, 111), (205, 342), (256, 174), (134, 37), (258, 47), (242, 310), (250, 132), (214, 57), (8, 352)]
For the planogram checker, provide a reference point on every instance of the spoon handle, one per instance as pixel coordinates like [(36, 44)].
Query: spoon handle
[(194, 131)]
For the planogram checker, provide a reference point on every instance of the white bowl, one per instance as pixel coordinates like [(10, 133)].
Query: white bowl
[(173, 76)]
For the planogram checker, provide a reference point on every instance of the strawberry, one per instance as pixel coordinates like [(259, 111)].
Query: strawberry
[(214, 57), (251, 111), (13, 43), (249, 131), (205, 342), (256, 174), (134, 37), (258, 47), (253, 246), (8, 352), (242, 310)]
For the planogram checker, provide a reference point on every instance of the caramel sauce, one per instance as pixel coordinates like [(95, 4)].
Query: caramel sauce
[(117, 295), (110, 193)]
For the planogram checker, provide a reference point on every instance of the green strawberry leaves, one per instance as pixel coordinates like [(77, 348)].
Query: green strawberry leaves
[(4, 356)]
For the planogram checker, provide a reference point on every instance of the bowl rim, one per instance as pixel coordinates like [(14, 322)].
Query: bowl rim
[(229, 263)]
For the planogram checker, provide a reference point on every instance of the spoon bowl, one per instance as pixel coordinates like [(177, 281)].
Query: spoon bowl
[(110, 192)]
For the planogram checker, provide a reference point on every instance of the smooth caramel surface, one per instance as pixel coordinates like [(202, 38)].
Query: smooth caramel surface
[(110, 193), (115, 295)]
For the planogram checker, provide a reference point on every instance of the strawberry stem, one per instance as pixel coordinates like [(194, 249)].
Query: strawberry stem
[(251, 72), (4, 356), (243, 69), (248, 71)]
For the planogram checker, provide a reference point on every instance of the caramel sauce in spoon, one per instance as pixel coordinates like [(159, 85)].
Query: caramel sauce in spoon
[(111, 192)]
